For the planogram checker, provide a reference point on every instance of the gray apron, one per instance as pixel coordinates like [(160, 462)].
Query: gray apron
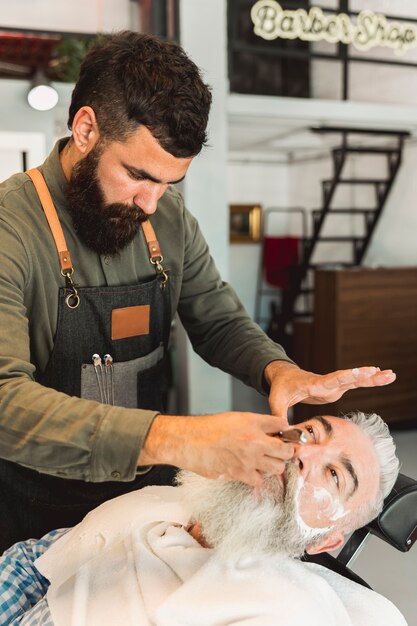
[(128, 369)]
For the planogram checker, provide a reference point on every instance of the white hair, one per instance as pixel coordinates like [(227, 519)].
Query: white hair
[(389, 466), (238, 520)]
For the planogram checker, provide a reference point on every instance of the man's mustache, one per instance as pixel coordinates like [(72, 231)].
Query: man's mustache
[(119, 212)]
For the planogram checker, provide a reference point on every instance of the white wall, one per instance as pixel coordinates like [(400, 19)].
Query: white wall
[(61, 15), (17, 116), (13, 145), (395, 239), (255, 183), (203, 35), (400, 8), (369, 83)]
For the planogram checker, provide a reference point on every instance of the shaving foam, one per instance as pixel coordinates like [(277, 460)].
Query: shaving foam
[(327, 507)]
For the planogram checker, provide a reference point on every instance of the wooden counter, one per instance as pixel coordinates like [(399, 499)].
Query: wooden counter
[(364, 317)]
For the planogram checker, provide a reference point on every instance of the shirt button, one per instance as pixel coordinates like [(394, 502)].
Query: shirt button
[(115, 475), (107, 260)]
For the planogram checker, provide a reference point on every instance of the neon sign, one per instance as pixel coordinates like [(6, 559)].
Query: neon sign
[(371, 29)]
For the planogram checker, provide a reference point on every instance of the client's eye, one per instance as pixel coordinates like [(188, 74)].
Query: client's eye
[(311, 432), (334, 476)]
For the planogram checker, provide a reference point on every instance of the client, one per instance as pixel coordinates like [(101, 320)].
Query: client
[(212, 552)]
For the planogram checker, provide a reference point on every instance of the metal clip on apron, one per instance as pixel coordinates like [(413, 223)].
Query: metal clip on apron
[(34, 503)]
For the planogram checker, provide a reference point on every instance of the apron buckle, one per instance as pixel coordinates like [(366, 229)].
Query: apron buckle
[(161, 273), (73, 299)]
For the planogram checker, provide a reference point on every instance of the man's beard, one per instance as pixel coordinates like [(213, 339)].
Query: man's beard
[(104, 228), (238, 520)]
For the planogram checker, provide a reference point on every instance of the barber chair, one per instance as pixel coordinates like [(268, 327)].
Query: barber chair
[(396, 524)]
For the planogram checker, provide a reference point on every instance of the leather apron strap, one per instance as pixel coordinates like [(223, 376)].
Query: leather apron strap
[(53, 220), (151, 240)]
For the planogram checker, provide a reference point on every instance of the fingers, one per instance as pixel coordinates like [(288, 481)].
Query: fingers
[(272, 423), (386, 377), (362, 377), (330, 387), (254, 476), (233, 446), (279, 409), (257, 477), (273, 466), (272, 461), (313, 388), (278, 450), (354, 377), (266, 443), (264, 455)]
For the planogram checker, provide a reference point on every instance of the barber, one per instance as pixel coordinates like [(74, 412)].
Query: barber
[(97, 253)]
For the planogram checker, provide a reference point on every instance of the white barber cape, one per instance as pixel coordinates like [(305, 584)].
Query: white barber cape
[(131, 562)]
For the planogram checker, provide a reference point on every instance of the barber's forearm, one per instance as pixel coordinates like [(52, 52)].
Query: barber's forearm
[(165, 440)]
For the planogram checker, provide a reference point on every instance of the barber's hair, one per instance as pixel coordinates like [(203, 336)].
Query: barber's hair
[(389, 466), (131, 79)]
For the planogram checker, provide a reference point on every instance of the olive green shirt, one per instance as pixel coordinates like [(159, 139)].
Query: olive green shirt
[(67, 436)]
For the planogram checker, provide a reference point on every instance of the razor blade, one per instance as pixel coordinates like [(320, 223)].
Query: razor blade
[(295, 435)]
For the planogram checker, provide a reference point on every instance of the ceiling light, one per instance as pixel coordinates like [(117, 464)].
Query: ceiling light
[(42, 96)]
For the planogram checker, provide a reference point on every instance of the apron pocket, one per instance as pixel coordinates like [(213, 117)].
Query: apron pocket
[(118, 384), (153, 385)]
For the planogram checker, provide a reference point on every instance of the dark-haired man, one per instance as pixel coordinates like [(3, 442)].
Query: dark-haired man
[(97, 253)]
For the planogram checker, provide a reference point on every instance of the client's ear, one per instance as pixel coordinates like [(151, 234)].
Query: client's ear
[(333, 542)]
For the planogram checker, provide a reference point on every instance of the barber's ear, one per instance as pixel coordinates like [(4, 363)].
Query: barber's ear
[(84, 128), (333, 542)]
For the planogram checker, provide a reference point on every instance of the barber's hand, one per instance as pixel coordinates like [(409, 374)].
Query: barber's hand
[(290, 385), (234, 446)]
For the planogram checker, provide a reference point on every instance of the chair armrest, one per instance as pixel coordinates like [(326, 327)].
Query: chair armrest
[(397, 522)]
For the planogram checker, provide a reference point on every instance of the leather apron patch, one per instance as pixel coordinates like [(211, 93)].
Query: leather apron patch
[(131, 321)]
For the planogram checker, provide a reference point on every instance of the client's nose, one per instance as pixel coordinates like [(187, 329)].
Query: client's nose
[(307, 456)]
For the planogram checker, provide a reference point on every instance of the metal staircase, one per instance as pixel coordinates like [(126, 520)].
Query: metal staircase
[(302, 275)]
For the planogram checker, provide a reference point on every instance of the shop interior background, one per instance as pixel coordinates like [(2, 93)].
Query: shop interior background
[(261, 152)]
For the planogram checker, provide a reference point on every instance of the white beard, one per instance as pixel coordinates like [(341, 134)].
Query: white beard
[(238, 520)]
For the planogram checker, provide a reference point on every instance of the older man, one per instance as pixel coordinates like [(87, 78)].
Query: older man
[(215, 552)]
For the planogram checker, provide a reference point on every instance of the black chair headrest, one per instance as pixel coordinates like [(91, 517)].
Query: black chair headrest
[(397, 522)]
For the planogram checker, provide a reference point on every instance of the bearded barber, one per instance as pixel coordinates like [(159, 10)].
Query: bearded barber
[(97, 253)]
